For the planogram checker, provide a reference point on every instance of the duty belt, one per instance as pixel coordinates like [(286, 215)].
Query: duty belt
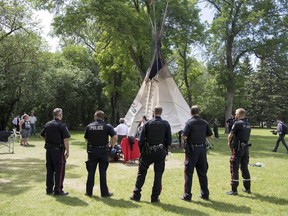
[(100, 147), (244, 144), (199, 145), (52, 145), (155, 147)]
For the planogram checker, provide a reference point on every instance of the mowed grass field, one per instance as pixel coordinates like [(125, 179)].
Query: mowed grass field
[(22, 183)]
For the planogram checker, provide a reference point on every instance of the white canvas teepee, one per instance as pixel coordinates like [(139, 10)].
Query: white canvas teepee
[(158, 88)]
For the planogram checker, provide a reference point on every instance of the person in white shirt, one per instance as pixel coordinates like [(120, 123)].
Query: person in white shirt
[(121, 130), (33, 120), (16, 121)]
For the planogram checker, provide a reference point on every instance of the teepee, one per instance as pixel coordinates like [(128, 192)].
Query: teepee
[(158, 88)]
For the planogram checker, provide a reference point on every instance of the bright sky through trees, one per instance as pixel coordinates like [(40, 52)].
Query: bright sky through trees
[(45, 19)]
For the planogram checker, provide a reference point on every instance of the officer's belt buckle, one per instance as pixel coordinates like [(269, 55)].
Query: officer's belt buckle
[(243, 144), (155, 147), (100, 147), (198, 145)]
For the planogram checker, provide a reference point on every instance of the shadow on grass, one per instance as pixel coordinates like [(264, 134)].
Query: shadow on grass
[(225, 207), (269, 199), (70, 201), (20, 175), (121, 203), (131, 163), (76, 142), (178, 209), (29, 146)]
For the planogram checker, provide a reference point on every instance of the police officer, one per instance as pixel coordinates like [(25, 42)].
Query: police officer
[(238, 140), (194, 135), (155, 137), (97, 137), (230, 122), (56, 137)]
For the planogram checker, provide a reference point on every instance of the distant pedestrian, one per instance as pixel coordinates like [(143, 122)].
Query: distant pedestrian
[(229, 123), (33, 120), (16, 121), (24, 128), (215, 128), (281, 137)]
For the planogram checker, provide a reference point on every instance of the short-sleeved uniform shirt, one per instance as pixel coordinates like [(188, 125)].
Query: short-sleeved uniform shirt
[(238, 130), (196, 130), (97, 133), (55, 132)]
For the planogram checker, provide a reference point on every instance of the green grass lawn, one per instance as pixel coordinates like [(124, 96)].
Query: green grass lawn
[(22, 183)]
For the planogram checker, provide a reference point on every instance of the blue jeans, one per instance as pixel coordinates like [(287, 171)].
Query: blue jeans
[(33, 129)]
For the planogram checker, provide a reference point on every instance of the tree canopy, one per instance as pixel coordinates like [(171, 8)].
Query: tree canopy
[(108, 45)]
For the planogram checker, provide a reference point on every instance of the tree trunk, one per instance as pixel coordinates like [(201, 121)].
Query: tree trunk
[(229, 106)]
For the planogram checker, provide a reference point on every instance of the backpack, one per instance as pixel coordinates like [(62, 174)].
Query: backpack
[(284, 128)]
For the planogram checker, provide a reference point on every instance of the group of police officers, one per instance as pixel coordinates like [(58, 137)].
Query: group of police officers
[(155, 137)]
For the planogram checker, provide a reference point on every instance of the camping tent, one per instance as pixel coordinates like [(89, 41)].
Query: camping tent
[(158, 88)]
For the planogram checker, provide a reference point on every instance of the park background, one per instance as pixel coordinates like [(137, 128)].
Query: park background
[(23, 190), (237, 59)]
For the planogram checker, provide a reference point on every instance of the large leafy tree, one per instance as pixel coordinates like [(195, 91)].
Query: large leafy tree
[(123, 32), (266, 95), (19, 49), (185, 33), (243, 27)]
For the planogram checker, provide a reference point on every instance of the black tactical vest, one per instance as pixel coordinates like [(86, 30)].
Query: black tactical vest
[(155, 132), (53, 133)]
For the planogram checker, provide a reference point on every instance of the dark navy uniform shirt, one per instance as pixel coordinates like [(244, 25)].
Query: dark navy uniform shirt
[(196, 130), (241, 129), (97, 133), (55, 132)]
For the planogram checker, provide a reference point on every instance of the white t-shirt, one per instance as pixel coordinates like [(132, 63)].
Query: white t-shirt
[(32, 119), (122, 129)]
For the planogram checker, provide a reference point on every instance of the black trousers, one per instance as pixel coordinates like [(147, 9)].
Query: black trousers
[(240, 158), (280, 139), (158, 158), (215, 130), (100, 156), (196, 159), (55, 166)]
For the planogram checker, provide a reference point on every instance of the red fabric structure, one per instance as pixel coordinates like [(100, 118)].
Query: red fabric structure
[(126, 150)]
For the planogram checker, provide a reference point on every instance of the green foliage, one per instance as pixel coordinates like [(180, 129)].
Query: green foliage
[(267, 93), (241, 28), (19, 49)]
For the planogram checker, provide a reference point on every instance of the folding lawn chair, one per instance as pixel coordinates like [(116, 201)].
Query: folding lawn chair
[(7, 140)]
